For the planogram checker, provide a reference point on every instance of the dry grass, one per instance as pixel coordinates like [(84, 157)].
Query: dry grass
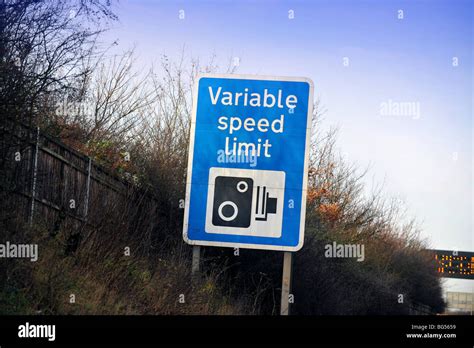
[(116, 285)]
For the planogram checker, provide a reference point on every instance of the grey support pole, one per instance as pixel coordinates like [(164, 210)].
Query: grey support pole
[(196, 259), (286, 283), (35, 172)]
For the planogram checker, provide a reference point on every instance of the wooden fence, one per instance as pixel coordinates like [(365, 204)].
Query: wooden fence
[(62, 188)]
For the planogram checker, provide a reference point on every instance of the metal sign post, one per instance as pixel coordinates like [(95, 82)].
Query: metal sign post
[(196, 259), (286, 283)]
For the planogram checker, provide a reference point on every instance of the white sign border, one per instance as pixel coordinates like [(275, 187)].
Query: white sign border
[(305, 172)]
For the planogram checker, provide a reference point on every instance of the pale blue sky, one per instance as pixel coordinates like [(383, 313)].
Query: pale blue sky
[(425, 159)]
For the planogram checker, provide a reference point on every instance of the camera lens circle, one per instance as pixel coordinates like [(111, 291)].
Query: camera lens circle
[(242, 186), (225, 204)]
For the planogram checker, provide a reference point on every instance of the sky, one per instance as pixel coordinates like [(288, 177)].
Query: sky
[(395, 77)]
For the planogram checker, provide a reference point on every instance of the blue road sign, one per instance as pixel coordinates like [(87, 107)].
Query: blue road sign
[(248, 162)]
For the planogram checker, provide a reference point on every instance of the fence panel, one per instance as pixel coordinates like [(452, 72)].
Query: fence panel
[(66, 196)]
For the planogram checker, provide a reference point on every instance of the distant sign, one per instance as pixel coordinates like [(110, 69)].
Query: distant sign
[(248, 159), (454, 264)]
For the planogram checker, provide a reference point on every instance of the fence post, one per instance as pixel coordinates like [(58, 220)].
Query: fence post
[(35, 170), (89, 167)]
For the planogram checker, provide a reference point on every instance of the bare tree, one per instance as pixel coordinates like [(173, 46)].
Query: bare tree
[(42, 46), (115, 98)]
